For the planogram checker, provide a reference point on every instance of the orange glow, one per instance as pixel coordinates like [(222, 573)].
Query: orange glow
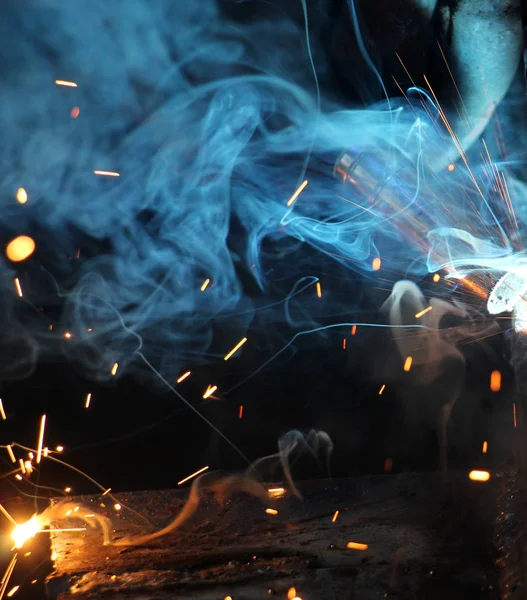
[(319, 289), (485, 447), (383, 387), (423, 312), (408, 363), (495, 381), (66, 83), (2, 412), (376, 264), (20, 248), (114, 368), (451, 166), (117, 506), (291, 594), (202, 470), (18, 287), (356, 546), (271, 511), (388, 465), (183, 377), (209, 391), (67, 335), (335, 517), (514, 414), (479, 476), (297, 193), (240, 412), (354, 330), (436, 277), (344, 343), (235, 349), (278, 492), (204, 285), (88, 400), (75, 112), (11, 454), (108, 173), (21, 196), (12, 591)]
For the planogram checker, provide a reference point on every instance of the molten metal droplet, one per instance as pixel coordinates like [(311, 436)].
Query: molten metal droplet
[(20, 248)]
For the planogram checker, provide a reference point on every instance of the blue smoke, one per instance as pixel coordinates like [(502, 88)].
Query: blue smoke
[(212, 124)]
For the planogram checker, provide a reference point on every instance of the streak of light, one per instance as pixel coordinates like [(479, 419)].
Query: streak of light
[(108, 173), (479, 476), (240, 412), (271, 511), (356, 546), (41, 438), (2, 411), (88, 400), (335, 517), (7, 515), (376, 263), (11, 453), (12, 591), (202, 470), (235, 349), (66, 83), (107, 491), (22, 465), (495, 381), (297, 193), (18, 287), (354, 330), (278, 492), (7, 576), (423, 312), (114, 368), (21, 196), (473, 286), (485, 447), (20, 248), (209, 391), (514, 414), (383, 387), (319, 289), (205, 284), (408, 363), (436, 277), (75, 112), (344, 343), (89, 516), (183, 377)]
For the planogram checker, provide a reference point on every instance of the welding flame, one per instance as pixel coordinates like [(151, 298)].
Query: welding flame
[(26, 531)]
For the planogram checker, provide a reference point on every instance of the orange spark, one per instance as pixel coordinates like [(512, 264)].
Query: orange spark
[(408, 363), (383, 387), (18, 287), (344, 343), (88, 400), (235, 349), (479, 476), (297, 193), (12, 591), (117, 506), (271, 511), (67, 335), (335, 516), (354, 330), (319, 289), (193, 475), (495, 381), (356, 546), (291, 593), (66, 83), (22, 465), (75, 112), (436, 277), (108, 173), (388, 465), (376, 264), (59, 448), (20, 248), (423, 312), (240, 412), (485, 447), (21, 195), (7, 515), (278, 492), (2, 411), (41, 438), (11, 454), (183, 377), (204, 285), (114, 368), (209, 391), (451, 166), (514, 414)]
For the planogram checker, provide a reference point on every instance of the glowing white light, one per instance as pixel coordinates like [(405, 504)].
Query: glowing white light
[(508, 296), (25, 531)]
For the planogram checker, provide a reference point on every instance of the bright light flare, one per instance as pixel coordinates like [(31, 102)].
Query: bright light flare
[(436, 277), (297, 193), (278, 492), (235, 349), (209, 391), (12, 591), (25, 531), (20, 248), (481, 476)]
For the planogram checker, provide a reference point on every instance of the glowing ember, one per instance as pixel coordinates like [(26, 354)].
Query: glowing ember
[(11, 454), (408, 363), (479, 476), (335, 517), (354, 330), (291, 594), (204, 285), (436, 277), (356, 546), (183, 377), (485, 447), (376, 264), (495, 381), (297, 193), (383, 387), (319, 289), (235, 349), (25, 531), (271, 511), (12, 591), (21, 196), (20, 248)]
